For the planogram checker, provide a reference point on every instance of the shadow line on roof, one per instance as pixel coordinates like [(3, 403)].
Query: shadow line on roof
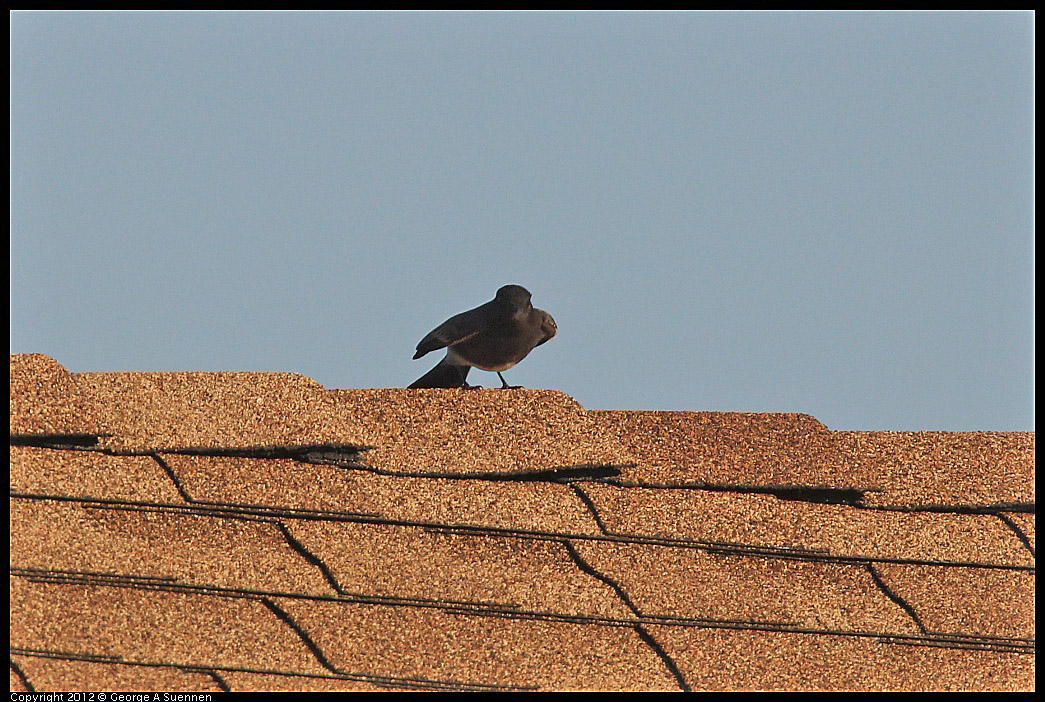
[(214, 675), (1008, 521), (223, 510), (555, 474), (996, 644), (822, 494), (903, 604), (56, 441), (378, 680), (347, 456), (21, 676), (324, 453)]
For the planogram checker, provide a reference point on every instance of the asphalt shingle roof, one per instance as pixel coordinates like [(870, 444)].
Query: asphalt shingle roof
[(256, 531)]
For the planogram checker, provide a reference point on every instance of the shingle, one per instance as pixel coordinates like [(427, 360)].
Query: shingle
[(729, 659), (503, 571), (183, 548), (478, 431), (675, 448), (41, 471), (894, 468), (274, 482), (941, 468), (58, 675), (154, 411), (835, 530), (967, 601), (44, 398), (288, 484), (18, 683), (668, 581), (493, 650), (1023, 525), (150, 626)]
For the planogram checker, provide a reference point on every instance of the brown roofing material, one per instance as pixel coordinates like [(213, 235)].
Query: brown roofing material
[(208, 532), (149, 411), (44, 398), (985, 468), (885, 468), (679, 448), (489, 432)]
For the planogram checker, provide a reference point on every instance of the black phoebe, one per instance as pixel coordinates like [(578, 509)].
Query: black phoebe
[(492, 337)]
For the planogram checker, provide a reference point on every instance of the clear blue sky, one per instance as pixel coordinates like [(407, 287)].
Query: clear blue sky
[(828, 213)]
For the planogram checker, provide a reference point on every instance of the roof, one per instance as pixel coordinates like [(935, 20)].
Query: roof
[(256, 531)]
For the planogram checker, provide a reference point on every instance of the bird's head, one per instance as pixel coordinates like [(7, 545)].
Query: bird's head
[(515, 295)]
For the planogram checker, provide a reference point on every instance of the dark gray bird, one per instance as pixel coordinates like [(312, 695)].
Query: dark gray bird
[(491, 337)]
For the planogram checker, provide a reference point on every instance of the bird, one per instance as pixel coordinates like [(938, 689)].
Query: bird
[(492, 337)]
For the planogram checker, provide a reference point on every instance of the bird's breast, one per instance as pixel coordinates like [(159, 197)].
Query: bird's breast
[(493, 352), (480, 361)]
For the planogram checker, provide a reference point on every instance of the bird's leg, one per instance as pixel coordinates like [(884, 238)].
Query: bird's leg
[(505, 385), (463, 371)]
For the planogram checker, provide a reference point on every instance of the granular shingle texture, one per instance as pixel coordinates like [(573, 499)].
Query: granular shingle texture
[(206, 532), (44, 398), (149, 411)]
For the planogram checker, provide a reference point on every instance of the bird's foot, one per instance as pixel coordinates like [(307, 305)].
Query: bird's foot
[(466, 386), (506, 386)]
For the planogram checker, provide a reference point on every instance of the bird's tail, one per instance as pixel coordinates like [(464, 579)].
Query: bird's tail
[(444, 375)]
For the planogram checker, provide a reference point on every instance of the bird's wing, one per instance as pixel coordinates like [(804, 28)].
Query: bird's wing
[(548, 327), (454, 330)]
